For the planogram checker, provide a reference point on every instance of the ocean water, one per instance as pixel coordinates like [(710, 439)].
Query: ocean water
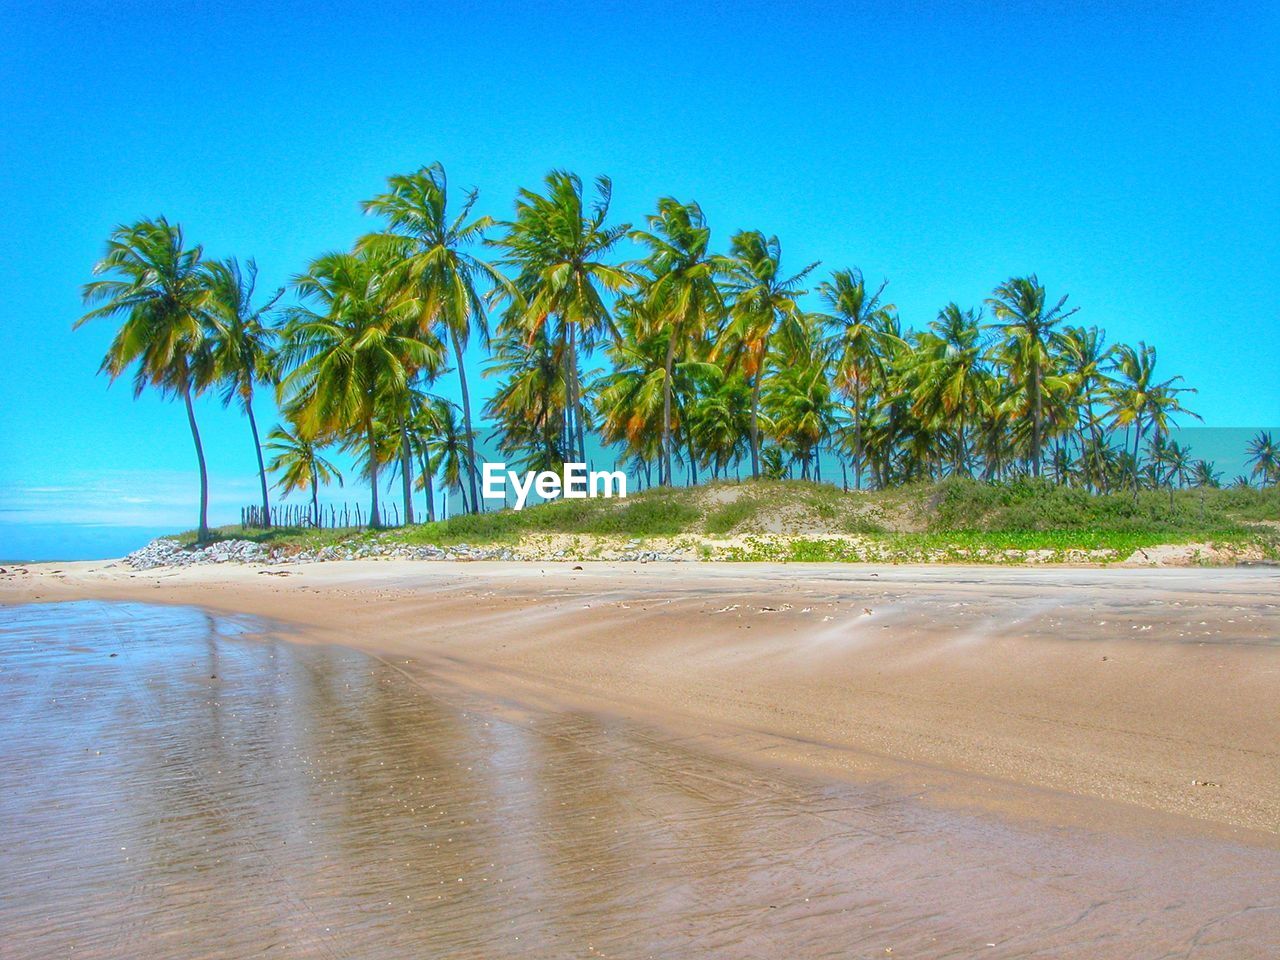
[(32, 542), (178, 784)]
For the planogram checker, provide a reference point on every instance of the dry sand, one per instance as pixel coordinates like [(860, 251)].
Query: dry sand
[(1120, 700)]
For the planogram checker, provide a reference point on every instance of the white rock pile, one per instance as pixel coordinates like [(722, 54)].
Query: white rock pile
[(170, 553), (166, 552)]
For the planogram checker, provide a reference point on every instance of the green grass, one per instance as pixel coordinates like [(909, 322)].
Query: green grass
[(652, 513), (1039, 505), (975, 546), (958, 519), (723, 519)]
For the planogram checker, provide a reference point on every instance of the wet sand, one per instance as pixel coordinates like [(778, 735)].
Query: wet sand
[(633, 761)]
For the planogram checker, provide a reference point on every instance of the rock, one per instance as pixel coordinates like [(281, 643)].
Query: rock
[(166, 552)]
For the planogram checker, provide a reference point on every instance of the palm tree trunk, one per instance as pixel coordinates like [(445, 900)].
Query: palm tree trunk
[(570, 400), (1137, 444), (375, 520), (406, 471), (666, 406), (857, 434), (693, 457), (202, 533), (1100, 479), (579, 421), (755, 425), (424, 457), (1035, 417), (315, 496), (257, 449), (466, 418)]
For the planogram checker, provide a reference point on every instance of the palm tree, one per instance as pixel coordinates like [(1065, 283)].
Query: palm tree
[(559, 248), (1085, 360), (1019, 305), (426, 425), (155, 283), (719, 417), (448, 449), (433, 265), (632, 400), (1175, 460), (636, 397), (681, 294), (800, 411), (946, 378), (240, 345), (763, 299), (773, 465), (861, 325), (1139, 401), (1204, 477), (1264, 454), (297, 458), (529, 404), (359, 349)]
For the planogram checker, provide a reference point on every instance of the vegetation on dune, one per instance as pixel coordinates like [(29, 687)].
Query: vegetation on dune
[(683, 360), (957, 520)]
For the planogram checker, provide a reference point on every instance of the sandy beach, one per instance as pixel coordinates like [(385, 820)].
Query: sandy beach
[(1156, 689), (1048, 758)]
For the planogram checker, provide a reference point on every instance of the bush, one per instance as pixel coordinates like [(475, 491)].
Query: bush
[(725, 518)]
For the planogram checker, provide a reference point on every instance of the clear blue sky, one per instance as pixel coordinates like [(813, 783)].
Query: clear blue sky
[(1127, 153)]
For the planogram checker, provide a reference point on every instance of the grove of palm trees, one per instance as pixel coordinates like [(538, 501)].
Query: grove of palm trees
[(648, 344)]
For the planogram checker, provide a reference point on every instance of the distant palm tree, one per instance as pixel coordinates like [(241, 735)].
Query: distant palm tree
[(632, 399), (862, 327), (681, 294), (947, 379), (1204, 475), (720, 418), (529, 404), (800, 412), (360, 348), (426, 424), (448, 450), (432, 263), (155, 283), (297, 458), (762, 300), (1264, 454), (559, 249), (773, 464), (1139, 401), (377, 456), (241, 345), (1086, 359), (1019, 304), (1173, 463)]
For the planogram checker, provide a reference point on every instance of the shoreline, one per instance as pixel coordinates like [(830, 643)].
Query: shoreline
[(1116, 699)]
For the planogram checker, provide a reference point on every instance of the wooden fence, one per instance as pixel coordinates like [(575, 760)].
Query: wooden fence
[(330, 515)]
